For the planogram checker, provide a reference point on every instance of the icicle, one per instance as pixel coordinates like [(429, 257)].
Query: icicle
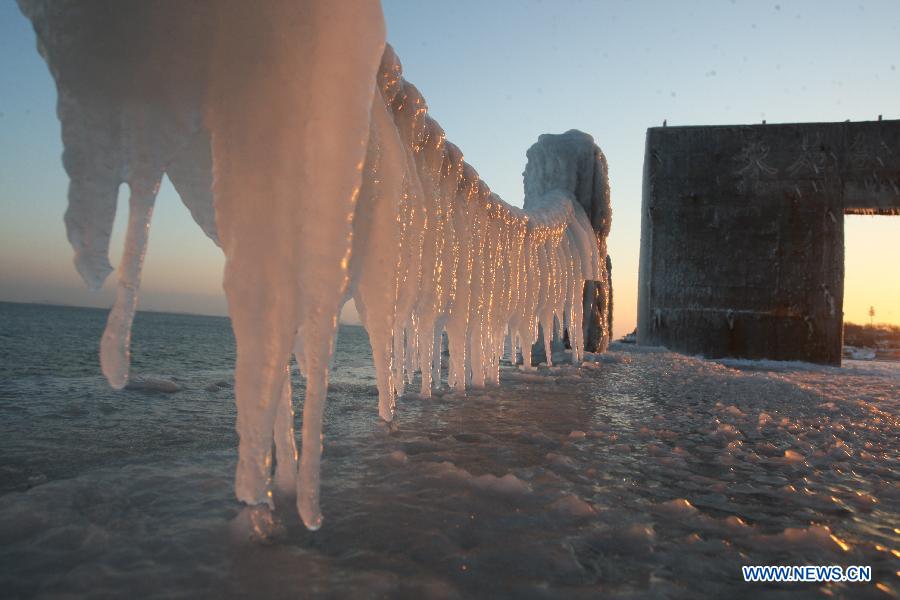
[(191, 174), (285, 444), (375, 262), (289, 110), (115, 353)]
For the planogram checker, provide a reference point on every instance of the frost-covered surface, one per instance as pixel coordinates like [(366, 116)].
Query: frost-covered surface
[(643, 474), (294, 111)]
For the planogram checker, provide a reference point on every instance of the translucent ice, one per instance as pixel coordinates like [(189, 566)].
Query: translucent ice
[(291, 136), (130, 106), (446, 255), (289, 100)]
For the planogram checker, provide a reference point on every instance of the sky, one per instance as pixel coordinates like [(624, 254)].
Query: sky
[(496, 75)]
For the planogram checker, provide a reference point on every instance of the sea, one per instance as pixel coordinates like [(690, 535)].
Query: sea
[(641, 474)]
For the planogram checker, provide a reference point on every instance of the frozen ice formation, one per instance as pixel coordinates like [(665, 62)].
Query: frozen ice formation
[(130, 103), (291, 136), (435, 251)]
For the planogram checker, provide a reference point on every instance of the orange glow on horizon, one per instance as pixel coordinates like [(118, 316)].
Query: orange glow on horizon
[(871, 274)]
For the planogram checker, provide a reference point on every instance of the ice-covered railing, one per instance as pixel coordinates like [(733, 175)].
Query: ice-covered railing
[(324, 187), (452, 257)]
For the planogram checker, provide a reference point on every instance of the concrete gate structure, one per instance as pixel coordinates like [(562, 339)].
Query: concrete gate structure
[(742, 234)]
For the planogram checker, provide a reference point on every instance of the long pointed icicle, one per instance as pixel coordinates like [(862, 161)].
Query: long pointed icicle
[(286, 459), (115, 345)]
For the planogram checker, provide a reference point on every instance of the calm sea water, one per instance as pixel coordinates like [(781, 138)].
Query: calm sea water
[(59, 417), (644, 474)]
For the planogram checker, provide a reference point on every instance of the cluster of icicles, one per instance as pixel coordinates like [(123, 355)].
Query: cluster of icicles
[(351, 191), (456, 258)]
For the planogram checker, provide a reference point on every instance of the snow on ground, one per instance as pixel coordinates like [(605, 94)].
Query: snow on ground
[(645, 473)]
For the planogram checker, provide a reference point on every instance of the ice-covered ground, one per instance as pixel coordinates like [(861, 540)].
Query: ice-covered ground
[(646, 473)]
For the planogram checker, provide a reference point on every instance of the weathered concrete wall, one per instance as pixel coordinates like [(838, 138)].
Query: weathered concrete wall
[(742, 234)]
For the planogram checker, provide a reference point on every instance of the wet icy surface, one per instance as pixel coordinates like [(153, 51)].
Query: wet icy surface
[(646, 473)]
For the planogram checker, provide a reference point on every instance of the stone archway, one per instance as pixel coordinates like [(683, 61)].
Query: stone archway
[(742, 242)]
